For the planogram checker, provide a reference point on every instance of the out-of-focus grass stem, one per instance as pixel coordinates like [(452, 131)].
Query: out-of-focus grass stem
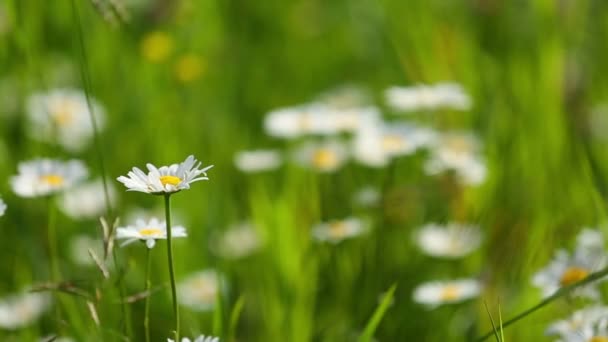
[(147, 305)]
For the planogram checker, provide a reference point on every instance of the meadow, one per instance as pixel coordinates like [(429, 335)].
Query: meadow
[(422, 170)]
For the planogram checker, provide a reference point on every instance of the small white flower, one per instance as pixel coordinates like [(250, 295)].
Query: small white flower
[(20, 310), (327, 156), (165, 179), (201, 338), (86, 200), (2, 207), (450, 241), (148, 231), (367, 144), (400, 139), (428, 97), (566, 269), (199, 291), (338, 230), (586, 325), (459, 152), (237, 242), (257, 160), (436, 293), (63, 114), (40, 177)]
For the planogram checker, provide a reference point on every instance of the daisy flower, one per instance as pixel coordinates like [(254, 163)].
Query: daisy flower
[(201, 338), (200, 290), (237, 242), (586, 325), (428, 97), (345, 97), (20, 310), (338, 230), (327, 156), (257, 160), (450, 241), (436, 293), (566, 269), (86, 200), (401, 139), (148, 231), (165, 179), (41, 177), (2, 207), (458, 152), (63, 116)]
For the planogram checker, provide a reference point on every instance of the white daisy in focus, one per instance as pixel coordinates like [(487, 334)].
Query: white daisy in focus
[(165, 179), (63, 115), (436, 293), (586, 325), (79, 249), (327, 156), (458, 152), (20, 310), (566, 269), (338, 230), (428, 97), (450, 241), (199, 291), (237, 242), (257, 160), (201, 338), (148, 231), (86, 200), (2, 207), (41, 177)]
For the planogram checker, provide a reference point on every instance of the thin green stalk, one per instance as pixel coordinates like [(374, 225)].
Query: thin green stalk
[(170, 260), (560, 293), (147, 309)]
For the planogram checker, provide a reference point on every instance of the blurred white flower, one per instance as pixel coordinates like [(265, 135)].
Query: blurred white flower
[(345, 97), (20, 310), (428, 97), (338, 230), (586, 325), (400, 139), (436, 293), (367, 196), (459, 152), (86, 200), (62, 115), (566, 269), (367, 144), (199, 291), (165, 179), (257, 160), (79, 249), (327, 156), (2, 207), (201, 338), (40, 177), (148, 231), (448, 241), (237, 242)]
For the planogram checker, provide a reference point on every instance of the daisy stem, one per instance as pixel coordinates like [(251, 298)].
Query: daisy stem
[(560, 293), (147, 309), (170, 259)]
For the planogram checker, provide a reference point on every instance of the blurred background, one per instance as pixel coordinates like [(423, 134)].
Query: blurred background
[(491, 115)]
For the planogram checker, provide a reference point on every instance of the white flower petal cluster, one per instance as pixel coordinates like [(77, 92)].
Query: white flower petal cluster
[(62, 116), (338, 230), (165, 179), (41, 177), (148, 231), (458, 152), (86, 200), (201, 338), (238, 241), (2, 207), (199, 290), (566, 269), (453, 240), (586, 325), (20, 310), (436, 293), (428, 97), (326, 156), (257, 160)]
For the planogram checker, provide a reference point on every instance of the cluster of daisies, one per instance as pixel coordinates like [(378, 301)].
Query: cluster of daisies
[(450, 241), (341, 125), (567, 268)]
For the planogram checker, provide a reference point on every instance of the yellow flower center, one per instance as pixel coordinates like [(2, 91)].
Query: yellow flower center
[(572, 275), (205, 290), (459, 145), (598, 339), (63, 112), (324, 158), (449, 292), (170, 180), (337, 229), (150, 232), (393, 142), (55, 180)]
